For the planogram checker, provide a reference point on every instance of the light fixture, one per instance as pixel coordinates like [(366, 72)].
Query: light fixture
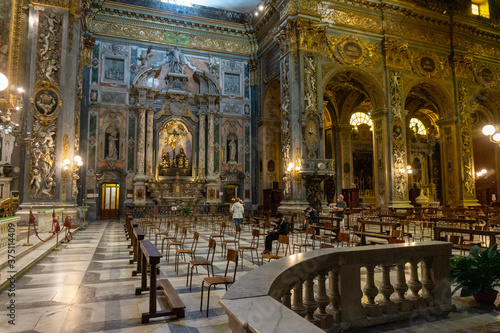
[(481, 173), (294, 169), (261, 7), (256, 13), (4, 82), (490, 130), (69, 167)]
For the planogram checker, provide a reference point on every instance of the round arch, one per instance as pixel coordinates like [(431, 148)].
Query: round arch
[(429, 94)]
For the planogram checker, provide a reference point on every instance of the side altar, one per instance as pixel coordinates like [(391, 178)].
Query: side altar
[(183, 191)]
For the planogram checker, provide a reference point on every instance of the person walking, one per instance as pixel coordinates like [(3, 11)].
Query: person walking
[(237, 209)]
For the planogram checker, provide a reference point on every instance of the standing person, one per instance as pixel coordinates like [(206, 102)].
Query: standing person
[(237, 209), (339, 210), (281, 229)]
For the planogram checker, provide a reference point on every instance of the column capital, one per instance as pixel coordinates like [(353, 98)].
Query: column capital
[(447, 121)]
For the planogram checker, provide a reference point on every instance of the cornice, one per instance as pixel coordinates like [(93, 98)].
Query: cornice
[(147, 15)]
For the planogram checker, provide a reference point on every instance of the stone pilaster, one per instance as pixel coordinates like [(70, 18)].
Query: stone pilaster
[(201, 145), (140, 177), (381, 156), (210, 145), (149, 142)]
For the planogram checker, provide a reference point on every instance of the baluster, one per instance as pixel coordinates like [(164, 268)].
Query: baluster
[(286, 300), (297, 304), (386, 288), (414, 282), (309, 302), (322, 300), (370, 290), (427, 283), (334, 294), (400, 286)]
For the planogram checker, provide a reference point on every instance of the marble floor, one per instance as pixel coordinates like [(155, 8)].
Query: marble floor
[(88, 287)]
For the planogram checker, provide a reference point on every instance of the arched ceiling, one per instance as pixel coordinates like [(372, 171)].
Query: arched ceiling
[(242, 6)]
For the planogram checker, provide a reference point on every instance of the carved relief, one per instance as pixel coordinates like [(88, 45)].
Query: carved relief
[(330, 14), (285, 125), (398, 137), (43, 160), (380, 164), (49, 46), (352, 50), (396, 27), (465, 129)]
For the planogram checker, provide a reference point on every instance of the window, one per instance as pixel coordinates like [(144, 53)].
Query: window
[(359, 118), (417, 126), (480, 8)]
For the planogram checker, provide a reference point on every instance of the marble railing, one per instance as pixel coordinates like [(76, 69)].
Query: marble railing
[(8, 225), (355, 287), (145, 210)]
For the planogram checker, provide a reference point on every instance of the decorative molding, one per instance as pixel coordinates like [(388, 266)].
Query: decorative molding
[(352, 51)]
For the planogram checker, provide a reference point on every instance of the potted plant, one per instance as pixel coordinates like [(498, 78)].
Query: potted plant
[(185, 211), (477, 274)]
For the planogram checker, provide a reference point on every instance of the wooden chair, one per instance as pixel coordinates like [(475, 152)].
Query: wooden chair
[(310, 239), (191, 251), (232, 256), (209, 262), (283, 243), (235, 241), (326, 246), (254, 244), (343, 238), (328, 227), (170, 238), (457, 242), (177, 243)]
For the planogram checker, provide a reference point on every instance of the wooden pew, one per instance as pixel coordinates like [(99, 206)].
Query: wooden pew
[(174, 305), (363, 233), (488, 233), (138, 237)]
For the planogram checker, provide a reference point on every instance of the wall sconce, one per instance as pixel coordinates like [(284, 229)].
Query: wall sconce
[(71, 167), (294, 169), (490, 130), (402, 169)]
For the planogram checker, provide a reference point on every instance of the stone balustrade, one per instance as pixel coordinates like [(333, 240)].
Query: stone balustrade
[(7, 223), (342, 288), (199, 209)]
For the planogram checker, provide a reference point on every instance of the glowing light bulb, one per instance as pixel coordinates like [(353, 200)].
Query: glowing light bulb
[(4, 82), (488, 130)]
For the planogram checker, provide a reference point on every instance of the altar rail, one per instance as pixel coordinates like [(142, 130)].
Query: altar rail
[(280, 295), (8, 231), (145, 210)]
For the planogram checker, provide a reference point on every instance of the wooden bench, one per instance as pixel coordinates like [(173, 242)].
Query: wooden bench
[(174, 305), (363, 233), (465, 246), (137, 238)]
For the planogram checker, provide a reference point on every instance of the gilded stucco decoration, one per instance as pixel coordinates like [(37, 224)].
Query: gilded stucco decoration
[(398, 136), (487, 76), (48, 59), (450, 158), (380, 164), (333, 16), (395, 26), (478, 48), (352, 50), (163, 37), (463, 65), (312, 125), (286, 126), (465, 130), (311, 35), (396, 53), (430, 65)]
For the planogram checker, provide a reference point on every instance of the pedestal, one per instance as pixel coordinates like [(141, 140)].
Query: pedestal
[(140, 189)]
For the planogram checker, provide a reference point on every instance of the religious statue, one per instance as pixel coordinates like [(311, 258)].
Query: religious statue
[(176, 61), (181, 160), (232, 151), (177, 183), (112, 151), (166, 161), (36, 179)]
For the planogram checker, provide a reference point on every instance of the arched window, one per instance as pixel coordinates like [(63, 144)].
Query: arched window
[(417, 126), (359, 118)]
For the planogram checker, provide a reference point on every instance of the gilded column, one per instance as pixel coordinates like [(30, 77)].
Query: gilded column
[(201, 145), (380, 165), (149, 141)]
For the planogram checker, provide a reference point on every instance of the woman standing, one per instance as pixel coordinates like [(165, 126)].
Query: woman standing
[(237, 209)]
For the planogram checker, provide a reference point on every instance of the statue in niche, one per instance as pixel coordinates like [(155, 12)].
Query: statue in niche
[(177, 183), (36, 180), (166, 161), (232, 151), (112, 149), (180, 160), (176, 61)]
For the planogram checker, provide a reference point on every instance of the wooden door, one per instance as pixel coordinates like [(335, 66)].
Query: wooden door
[(110, 203)]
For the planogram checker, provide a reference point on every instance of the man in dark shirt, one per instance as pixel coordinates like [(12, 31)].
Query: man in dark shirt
[(281, 229), (339, 210)]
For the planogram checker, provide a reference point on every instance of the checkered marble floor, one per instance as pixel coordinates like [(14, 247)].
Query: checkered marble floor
[(89, 287)]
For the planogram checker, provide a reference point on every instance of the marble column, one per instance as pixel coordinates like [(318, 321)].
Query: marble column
[(140, 177), (149, 142), (210, 146), (201, 145)]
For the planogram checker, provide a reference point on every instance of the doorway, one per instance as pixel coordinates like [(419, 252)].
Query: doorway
[(110, 202)]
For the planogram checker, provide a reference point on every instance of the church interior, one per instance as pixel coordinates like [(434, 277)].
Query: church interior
[(130, 128)]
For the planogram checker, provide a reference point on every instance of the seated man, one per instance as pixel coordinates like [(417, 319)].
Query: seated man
[(310, 217), (281, 229)]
